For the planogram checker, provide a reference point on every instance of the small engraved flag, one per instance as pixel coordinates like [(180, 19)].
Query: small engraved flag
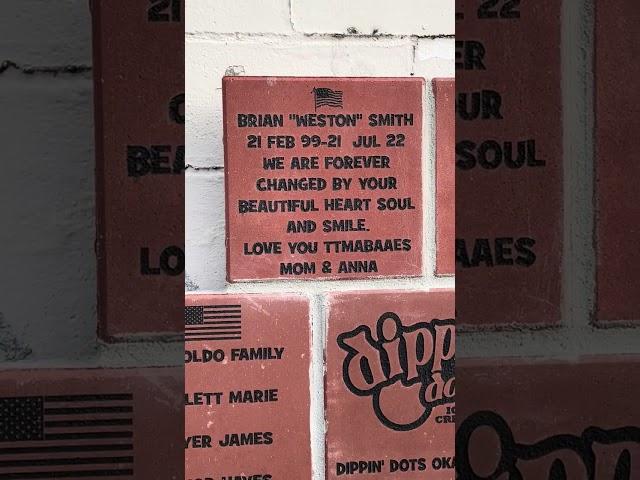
[(325, 97), (66, 436), (213, 322)]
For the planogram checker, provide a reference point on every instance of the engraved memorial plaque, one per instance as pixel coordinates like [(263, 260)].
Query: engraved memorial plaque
[(247, 361), (444, 91), (323, 177), (617, 170), (509, 170), (91, 423), (390, 385), (139, 105)]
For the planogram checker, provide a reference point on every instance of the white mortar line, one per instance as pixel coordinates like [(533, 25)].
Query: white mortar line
[(296, 39), (429, 184), (326, 286), (303, 37), (318, 318), (578, 119), (291, 21)]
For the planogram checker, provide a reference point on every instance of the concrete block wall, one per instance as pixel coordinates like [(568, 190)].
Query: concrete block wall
[(48, 295), (301, 38), (47, 313)]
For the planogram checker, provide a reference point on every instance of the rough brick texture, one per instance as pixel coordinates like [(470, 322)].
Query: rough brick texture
[(306, 39)]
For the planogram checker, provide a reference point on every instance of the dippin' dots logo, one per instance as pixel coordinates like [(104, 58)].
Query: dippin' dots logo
[(416, 362)]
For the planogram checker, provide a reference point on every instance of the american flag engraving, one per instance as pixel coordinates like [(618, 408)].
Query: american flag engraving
[(325, 97), (213, 322), (66, 436)]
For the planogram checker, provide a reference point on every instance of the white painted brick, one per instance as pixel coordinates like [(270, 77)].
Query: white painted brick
[(42, 32), (238, 16), (400, 17), (47, 206), (205, 265), (208, 61), (435, 57)]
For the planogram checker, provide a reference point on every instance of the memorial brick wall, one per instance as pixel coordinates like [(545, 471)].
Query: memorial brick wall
[(316, 212), (526, 210), (584, 295), (90, 334)]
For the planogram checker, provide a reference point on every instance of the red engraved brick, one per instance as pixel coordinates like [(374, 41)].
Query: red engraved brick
[(300, 152), (247, 386), (525, 420), (393, 411), (139, 105), (617, 170), (508, 163), (444, 92), (108, 423)]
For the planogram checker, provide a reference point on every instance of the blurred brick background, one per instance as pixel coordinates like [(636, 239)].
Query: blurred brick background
[(528, 375), (585, 81)]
